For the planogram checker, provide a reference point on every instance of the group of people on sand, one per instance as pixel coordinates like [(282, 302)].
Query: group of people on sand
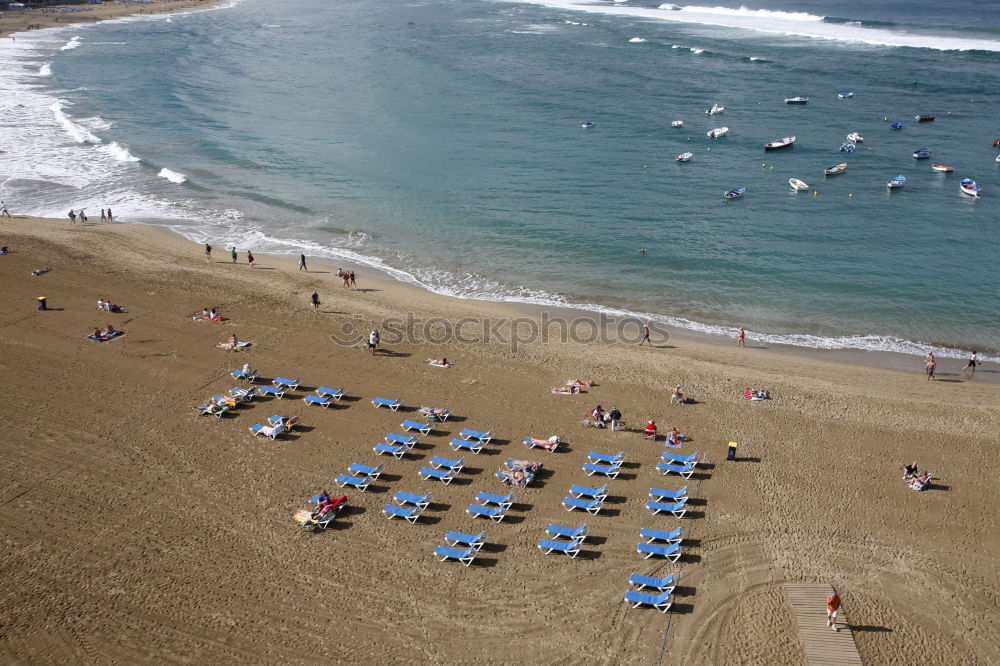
[(674, 436), (751, 394), (603, 419), (349, 278), (914, 479), (108, 333), (108, 306), (80, 215), (210, 314), (930, 364)]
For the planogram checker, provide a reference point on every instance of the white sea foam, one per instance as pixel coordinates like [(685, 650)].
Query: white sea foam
[(754, 58), (71, 44), (119, 152), (637, 40), (77, 132), (798, 24), (172, 176), (45, 70), (697, 51)]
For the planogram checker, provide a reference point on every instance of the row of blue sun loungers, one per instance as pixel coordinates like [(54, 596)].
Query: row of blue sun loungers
[(360, 476), (325, 396), (491, 506), (565, 540), (461, 547)]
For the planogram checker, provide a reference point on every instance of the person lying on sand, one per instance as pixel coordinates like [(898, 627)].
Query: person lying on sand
[(438, 361), (565, 390), (40, 271), (232, 343), (548, 444), (921, 482), (580, 382)]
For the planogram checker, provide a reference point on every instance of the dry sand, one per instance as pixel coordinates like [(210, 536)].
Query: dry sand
[(19, 21), (137, 531)]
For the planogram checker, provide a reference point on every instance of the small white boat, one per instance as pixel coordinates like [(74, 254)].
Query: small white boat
[(896, 182), (797, 185), (677, 123), (922, 153), (943, 168), (683, 157), (716, 108), (836, 169), (717, 132), (796, 100), (970, 187), (845, 95), (855, 137), (998, 159), (735, 194), (778, 144), (586, 124)]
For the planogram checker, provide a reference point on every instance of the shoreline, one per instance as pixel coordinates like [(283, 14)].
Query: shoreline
[(881, 359), (18, 21), (174, 525)]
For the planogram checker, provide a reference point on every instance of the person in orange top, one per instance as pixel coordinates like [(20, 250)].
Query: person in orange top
[(832, 608)]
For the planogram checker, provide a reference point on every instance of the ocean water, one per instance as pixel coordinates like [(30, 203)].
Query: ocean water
[(440, 141)]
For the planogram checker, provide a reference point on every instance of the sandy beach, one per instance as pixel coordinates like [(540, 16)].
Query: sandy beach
[(37, 19), (138, 531)]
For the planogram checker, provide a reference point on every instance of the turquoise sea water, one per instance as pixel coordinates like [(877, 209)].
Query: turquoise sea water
[(441, 141)]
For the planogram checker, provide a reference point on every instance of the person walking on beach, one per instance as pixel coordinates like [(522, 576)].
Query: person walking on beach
[(302, 263), (645, 336), (616, 419), (741, 338), (208, 253), (250, 258), (353, 283), (832, 608), (72, 216), (315, 301), (347, 280), (373, 340), (83, 216), (3, 209), (110, 218), (971, 365), (233, 254), (104, 218), (929, 367)]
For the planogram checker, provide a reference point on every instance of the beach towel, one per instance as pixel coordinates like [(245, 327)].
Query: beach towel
[(104, 337), (565, 390), (238, 346)]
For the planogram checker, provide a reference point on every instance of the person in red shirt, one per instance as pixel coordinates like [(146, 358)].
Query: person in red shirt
[(832, 608)]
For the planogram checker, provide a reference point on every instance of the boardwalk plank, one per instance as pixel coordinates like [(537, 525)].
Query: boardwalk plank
[(822, 645)]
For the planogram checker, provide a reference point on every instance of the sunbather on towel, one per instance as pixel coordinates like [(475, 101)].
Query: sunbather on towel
[(567, 390), (438, 361), (921, 482), (580, 382), (40, 271)]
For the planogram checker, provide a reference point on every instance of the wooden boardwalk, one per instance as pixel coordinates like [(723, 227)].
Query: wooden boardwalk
[(823, 646)]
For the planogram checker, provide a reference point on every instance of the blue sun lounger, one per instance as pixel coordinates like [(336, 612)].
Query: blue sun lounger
[(389, 449), (492, 512), (444, 476), (670, 551), (610, 471), (244, 394), (410, 515), (482, 437), (590, 493), (465, 556), (287, 384), (467, 540), (422, 428), (666, 468), (665, 584), (673, 536), (357, 482), (437, 462), (332, 394), (394, 405), (592, 506), (316, 400), (403, 440), (672, 495), (568, 548), (605, 458), (497, 500), (366, 470), (246, 377), (660, 602), (271, 391), (574, 533), (678, 509), (677, 459), (463, 445), (403, 498)]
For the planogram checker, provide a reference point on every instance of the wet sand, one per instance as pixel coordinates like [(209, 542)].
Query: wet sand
[(138, 531)]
